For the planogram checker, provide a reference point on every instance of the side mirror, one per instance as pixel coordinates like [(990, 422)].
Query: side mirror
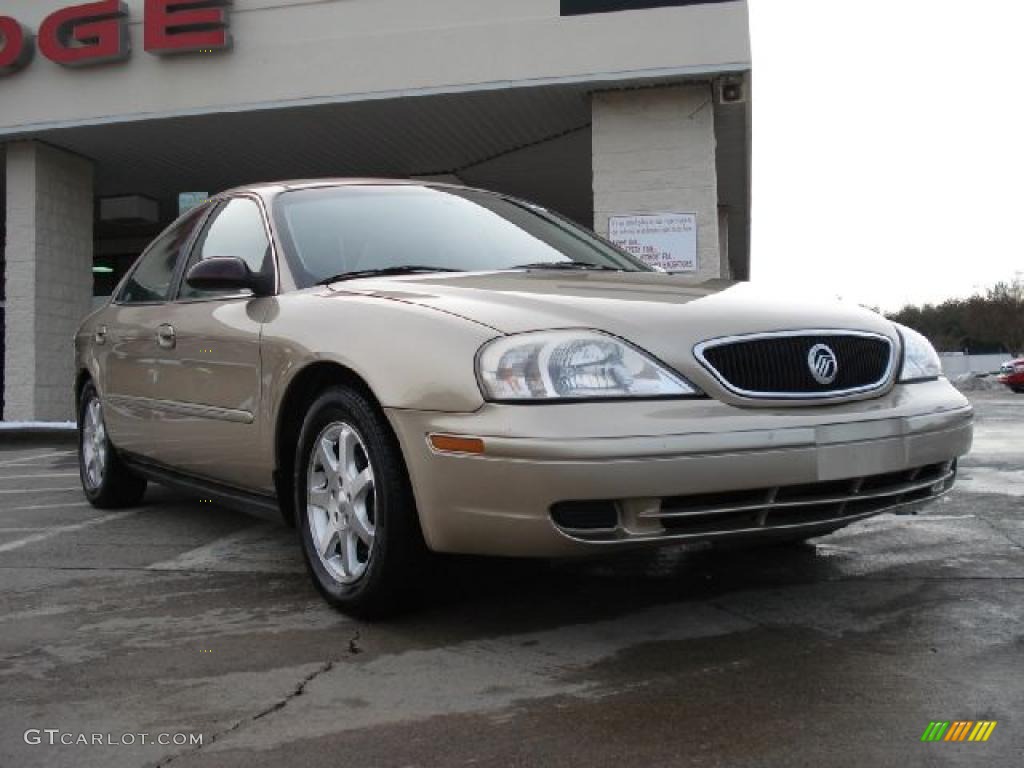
[(226, 273)]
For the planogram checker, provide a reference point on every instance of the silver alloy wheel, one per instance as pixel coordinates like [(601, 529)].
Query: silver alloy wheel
[(94, 444), (341, 498)]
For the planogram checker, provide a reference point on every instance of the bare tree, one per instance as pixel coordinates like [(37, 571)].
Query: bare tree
[(1005, 313), (989, 321)]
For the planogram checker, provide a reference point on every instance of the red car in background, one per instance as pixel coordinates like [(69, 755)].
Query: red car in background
[(1012, 375)]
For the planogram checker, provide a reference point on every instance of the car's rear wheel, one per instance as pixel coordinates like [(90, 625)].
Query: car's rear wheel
[(1018, 390), (355, 513), (107, 482)]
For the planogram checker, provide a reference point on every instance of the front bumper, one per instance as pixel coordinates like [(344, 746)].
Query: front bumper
[(705, 461)]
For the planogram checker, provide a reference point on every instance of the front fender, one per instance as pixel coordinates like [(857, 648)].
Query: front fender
[(409, 355)]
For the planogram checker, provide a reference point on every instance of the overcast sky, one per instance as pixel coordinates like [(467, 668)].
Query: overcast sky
[(888, 146)]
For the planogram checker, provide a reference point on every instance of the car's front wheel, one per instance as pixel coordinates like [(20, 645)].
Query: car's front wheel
[(355, 513), (107, 482)]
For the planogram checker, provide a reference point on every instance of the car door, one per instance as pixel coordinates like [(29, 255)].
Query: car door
[(211, 389), (132, 358)]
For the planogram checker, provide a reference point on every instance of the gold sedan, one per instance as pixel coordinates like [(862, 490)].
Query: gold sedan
[(401, 368)]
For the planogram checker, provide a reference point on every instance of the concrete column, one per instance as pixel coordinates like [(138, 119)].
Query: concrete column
[(49, 277), (654, 152)]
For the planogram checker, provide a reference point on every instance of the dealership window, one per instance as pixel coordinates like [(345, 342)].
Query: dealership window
[(107, 272)]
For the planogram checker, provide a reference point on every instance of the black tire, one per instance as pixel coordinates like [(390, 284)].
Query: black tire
[(115, 485), (397, 553), (1018, 390)]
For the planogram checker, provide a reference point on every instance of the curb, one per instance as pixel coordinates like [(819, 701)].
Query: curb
[(38, 436)]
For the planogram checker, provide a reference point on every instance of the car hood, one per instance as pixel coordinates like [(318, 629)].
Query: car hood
[(665, 314)]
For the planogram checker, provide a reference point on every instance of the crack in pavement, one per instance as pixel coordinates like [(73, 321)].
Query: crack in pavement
[(299, 689), (1013, 542), (277, 706)]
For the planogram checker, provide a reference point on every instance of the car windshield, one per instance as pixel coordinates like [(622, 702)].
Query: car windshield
[(332, 231)]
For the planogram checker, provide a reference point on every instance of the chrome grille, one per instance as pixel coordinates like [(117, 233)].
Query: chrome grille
[(823, 505), (810, 503), (776, 365)]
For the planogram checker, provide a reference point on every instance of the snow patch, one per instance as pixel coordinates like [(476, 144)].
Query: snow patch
[(36, 425)]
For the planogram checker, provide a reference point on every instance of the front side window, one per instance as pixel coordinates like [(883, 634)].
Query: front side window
[(329, 231), (235, 229), (152, 278)]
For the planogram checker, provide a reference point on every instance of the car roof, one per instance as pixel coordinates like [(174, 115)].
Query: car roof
[(275, 187)]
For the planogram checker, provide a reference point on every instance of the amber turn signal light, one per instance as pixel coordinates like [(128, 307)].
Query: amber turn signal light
[(453, 444)]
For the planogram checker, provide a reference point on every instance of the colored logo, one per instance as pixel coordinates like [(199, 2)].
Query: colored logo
[(958, 730)]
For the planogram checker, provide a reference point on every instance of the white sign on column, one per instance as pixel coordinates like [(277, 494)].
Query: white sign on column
[(665, 240)]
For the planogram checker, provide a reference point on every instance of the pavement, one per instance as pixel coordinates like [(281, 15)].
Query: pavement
[(180, 620)]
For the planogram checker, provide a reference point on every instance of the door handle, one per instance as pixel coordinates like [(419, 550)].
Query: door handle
[(100, 334), (165, 336)]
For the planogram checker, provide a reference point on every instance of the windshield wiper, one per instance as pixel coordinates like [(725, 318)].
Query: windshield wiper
[(405, 269), (567, 265)]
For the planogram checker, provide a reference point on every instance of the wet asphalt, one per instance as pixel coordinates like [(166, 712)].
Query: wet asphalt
[(183, 617)]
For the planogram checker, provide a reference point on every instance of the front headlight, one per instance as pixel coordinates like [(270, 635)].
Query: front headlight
[(920, 360), (572, 365)]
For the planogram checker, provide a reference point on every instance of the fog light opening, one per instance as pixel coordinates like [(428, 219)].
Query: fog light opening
[(586, 515)]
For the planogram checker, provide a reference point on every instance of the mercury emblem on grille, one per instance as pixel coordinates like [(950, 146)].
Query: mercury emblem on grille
[(823, 364)]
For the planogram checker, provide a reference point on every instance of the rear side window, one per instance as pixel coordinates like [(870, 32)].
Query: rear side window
[(152, 278)]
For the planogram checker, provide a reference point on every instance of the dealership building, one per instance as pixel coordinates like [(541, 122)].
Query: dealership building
[(116, 115)]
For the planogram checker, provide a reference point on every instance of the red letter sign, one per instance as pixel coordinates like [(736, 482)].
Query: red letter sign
[(93, 33), (15, 46), (178, 26)]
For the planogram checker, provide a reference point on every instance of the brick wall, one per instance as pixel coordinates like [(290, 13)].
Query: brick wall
[(654, 152), (49, 277)]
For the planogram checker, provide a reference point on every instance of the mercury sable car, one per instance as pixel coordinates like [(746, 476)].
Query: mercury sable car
[(401, 368)]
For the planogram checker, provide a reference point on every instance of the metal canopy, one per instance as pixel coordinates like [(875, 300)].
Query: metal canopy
[(532, 141)]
